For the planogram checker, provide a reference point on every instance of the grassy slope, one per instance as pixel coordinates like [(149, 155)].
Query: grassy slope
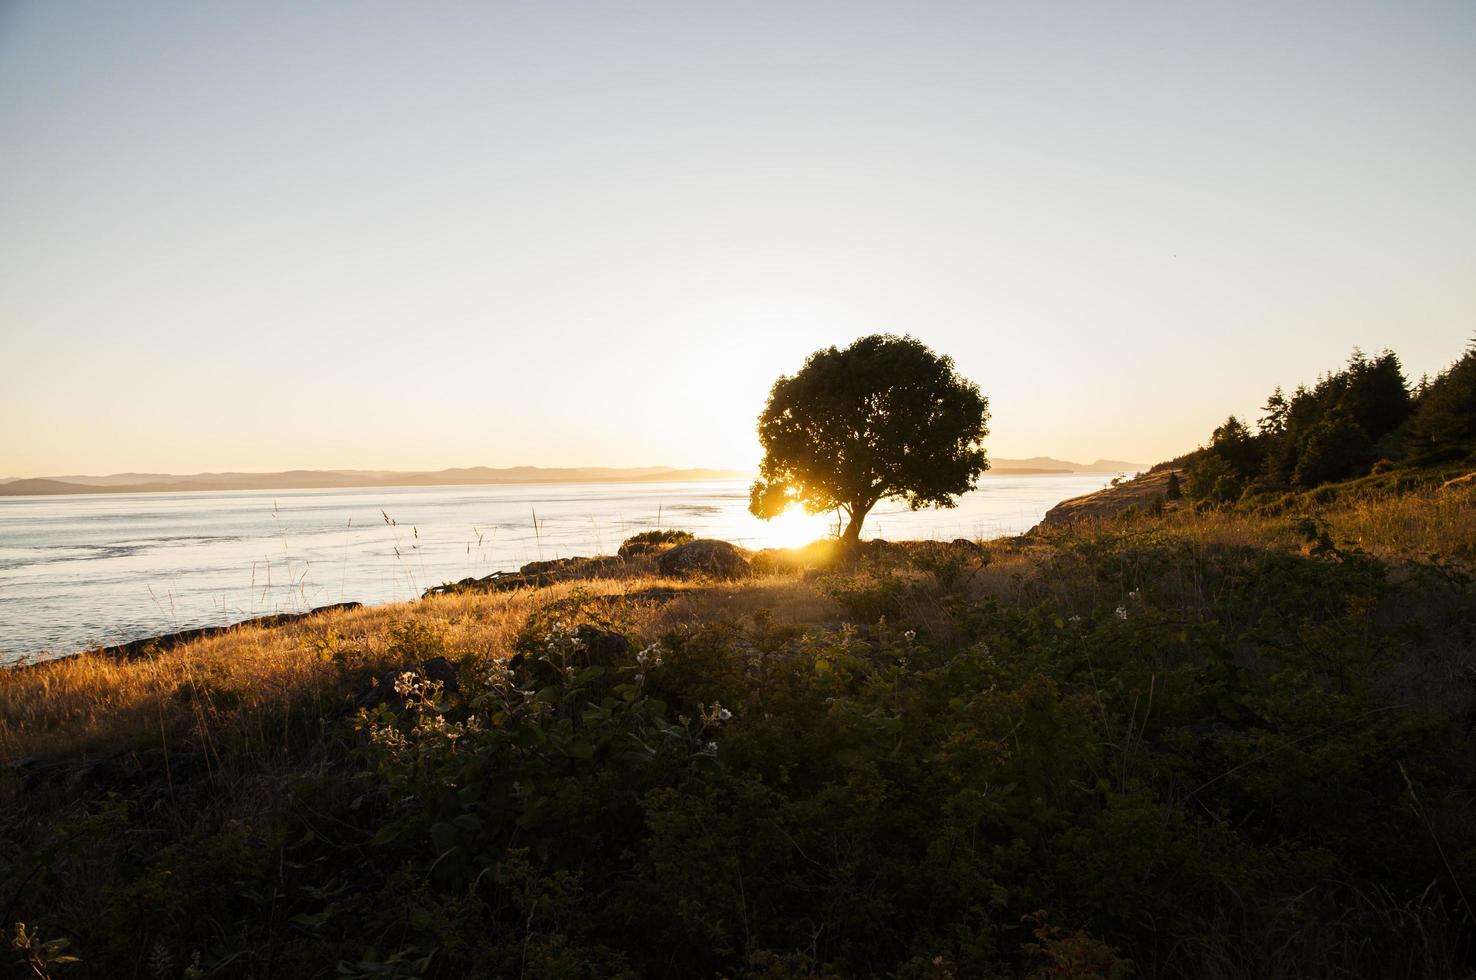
[(1209, 745)]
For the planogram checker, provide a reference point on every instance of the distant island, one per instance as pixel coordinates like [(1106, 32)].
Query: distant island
[(1047, 464), (348, 479), (458, 476)]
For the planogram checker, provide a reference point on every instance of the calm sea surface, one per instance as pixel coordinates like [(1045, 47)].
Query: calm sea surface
[(100, 569)]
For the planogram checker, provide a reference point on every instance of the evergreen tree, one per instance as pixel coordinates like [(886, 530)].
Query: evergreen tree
[(1446, 414), (1336, 448)]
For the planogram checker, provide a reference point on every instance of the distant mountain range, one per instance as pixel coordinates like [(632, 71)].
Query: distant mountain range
[(461, 476), (1047, 464), (343, 479)]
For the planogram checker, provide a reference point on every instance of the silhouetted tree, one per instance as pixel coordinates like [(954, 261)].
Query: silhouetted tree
[(1173, 491), (1446, 414), (1234, 443), (1376, 394), (885, 418), (1211, 478), (1273, 423), (1336, 448)]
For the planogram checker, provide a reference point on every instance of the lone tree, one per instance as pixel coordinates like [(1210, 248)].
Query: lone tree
[(886, 418)]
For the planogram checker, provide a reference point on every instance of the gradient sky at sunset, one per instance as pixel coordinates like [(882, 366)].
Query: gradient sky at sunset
[(276, 235)]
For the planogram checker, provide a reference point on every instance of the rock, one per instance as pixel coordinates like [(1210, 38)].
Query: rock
[(705, 556), (536, 574), (140, 649), (496, 582), (382, 688), (556, 566)]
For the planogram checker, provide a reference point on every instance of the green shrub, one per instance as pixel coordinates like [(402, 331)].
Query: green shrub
[(651, 542)]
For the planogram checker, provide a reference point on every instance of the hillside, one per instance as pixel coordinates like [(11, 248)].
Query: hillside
[(1146, 492)]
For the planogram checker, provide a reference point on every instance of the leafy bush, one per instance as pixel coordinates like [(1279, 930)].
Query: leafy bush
[(651, 542)]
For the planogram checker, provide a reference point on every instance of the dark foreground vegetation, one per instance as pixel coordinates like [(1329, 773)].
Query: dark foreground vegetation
[(1225, 739), (1172, 746)]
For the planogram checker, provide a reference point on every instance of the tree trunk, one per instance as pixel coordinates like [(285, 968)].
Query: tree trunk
[(851, 537)]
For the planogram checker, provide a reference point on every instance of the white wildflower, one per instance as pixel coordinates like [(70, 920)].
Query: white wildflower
[(910, 635), (712, 746), (724, 714), (1122, 612)]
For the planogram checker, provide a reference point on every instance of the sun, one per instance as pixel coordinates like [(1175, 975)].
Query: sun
[(794, 528)]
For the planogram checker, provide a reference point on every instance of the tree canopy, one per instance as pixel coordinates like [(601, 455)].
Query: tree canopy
[(885, 418)]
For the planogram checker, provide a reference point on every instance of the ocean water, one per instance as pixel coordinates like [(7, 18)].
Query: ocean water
[(82, 571)]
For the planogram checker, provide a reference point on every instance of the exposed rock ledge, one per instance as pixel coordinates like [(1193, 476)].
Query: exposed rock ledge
[(1108, 502)]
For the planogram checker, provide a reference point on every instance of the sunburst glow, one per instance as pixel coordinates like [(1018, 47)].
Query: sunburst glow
[(793, 528)]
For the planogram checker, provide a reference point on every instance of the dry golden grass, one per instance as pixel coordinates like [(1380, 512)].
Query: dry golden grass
[(1436, 522), (1412, 524), (253, 678)]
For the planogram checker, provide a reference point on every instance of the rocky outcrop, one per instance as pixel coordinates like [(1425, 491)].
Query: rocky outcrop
[(139, 649), (705, 556), (537, 574), (1142, 492), (559, 569)]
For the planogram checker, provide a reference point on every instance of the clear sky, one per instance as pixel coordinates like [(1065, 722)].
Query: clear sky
[(271, 235)]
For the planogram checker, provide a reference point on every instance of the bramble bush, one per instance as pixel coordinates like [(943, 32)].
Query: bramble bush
[(1150, 785)]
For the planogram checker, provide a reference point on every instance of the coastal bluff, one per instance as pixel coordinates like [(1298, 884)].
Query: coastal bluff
[(1109, 502)]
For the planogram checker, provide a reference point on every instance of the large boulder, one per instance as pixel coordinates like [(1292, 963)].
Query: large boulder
[(705, 556)]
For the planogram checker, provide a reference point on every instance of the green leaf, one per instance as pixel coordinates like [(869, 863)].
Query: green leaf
[(387, 834), (443, 837)]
